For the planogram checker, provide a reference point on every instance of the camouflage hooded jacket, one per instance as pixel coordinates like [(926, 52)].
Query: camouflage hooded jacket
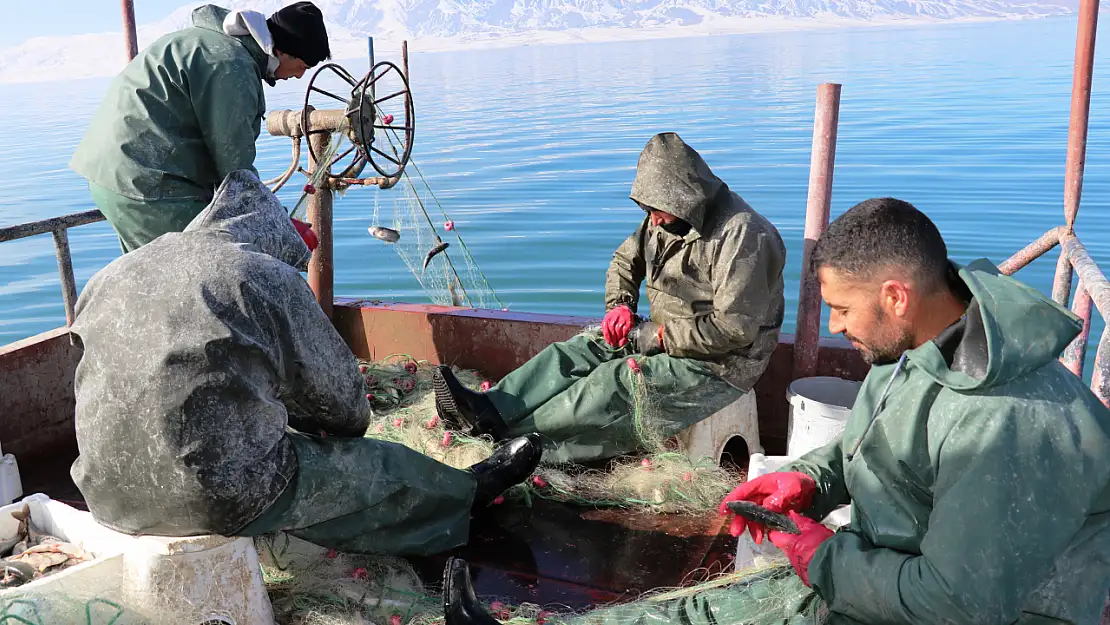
[(198, 349), (718, 290)]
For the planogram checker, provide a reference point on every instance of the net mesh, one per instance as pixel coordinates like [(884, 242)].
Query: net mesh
[(310, 584), (313, 585)]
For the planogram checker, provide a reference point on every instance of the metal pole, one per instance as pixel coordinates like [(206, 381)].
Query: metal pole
[(405, 69), (822, 160), (1077, 134), (129, 37), (1075, 354), (370, 50), (1100, 384), (321, 268), (65, 271)]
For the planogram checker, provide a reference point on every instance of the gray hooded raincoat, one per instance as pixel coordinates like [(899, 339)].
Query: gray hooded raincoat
[(200, 348)]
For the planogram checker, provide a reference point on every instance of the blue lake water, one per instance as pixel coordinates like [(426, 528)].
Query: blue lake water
[(532, 152)]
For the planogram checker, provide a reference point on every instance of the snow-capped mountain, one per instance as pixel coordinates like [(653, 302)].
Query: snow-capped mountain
[(443, 24), (454, 18)]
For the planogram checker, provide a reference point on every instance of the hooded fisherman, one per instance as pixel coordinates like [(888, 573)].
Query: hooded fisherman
[(976, 465), (713, 268), (200, 350), (187, 111)]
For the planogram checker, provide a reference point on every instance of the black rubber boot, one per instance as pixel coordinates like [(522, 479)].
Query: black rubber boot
[(460, 606), (509, 465), (465, 410)]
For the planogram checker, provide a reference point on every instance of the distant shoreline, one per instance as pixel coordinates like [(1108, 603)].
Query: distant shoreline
[(46, 59)]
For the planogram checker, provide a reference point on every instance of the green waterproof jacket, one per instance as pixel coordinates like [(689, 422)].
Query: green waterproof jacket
[(980, 478), (718, 290), (181, 116)]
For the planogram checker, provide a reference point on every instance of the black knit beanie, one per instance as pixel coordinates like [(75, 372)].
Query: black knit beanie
[(298, 30)]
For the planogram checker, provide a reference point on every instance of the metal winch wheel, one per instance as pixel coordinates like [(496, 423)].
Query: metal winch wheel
[(380, 129)]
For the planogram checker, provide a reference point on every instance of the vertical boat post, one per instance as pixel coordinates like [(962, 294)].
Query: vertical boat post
[(1077, 134), (129, 38), (321, 267), (822, 161), (1086, 29)]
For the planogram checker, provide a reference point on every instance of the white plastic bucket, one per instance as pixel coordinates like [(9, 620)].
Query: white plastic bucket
[(819, 409)]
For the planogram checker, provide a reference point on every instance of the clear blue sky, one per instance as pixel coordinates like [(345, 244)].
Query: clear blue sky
[(32, 18)]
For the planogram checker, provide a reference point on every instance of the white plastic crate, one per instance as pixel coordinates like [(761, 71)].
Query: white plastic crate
[(147, 579), (61, 597)]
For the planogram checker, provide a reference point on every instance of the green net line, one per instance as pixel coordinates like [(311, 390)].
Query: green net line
[(466, 250)]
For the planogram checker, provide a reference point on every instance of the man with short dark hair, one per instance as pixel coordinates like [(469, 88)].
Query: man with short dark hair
[(186, 112), (976, 465)]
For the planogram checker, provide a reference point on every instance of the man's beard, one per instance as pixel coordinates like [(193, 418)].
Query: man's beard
[(889, 344)]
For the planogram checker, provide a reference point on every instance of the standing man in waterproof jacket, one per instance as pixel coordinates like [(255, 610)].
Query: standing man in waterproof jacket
[(976, 465), (714, 283), (198, 350), (186, 112)]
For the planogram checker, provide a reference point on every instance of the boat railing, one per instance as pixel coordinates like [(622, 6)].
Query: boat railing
[(1093, 289), (59, 228)]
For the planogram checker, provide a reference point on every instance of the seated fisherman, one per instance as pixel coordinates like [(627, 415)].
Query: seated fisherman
[(977, 466), (714, 282), (199, 349)]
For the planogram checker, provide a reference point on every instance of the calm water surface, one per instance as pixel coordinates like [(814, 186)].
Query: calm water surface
[(532, 152)]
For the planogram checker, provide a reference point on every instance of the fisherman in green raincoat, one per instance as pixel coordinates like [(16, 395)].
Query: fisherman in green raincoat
[(976, 465), (713, 267), (187, 111)]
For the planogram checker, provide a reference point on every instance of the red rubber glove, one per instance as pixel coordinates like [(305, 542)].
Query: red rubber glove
[(779, 492), (799, 548), (307, 235), (616, 324)]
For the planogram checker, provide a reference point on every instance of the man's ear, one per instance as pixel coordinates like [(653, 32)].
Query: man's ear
[(894, 297)]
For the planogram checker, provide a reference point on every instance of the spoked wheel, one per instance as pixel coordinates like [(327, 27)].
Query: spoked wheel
[(382, 119), (334, 87)]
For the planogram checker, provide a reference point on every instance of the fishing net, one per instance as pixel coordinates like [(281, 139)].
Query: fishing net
[(450, 277), (662, 479), (65, 606), (311, 585)]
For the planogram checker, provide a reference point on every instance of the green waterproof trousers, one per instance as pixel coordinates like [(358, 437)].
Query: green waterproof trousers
[(582, 397), (138, 222), (775, 597), (361, 495)]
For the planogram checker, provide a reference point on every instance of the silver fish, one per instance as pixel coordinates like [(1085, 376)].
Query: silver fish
[(389, 235), (432, 252)]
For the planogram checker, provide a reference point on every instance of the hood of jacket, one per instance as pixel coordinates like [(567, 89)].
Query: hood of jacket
[(672, 177), (1009, 329), (245, 212), (212, 17)]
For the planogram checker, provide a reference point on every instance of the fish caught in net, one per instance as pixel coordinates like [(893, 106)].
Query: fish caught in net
[(437, 256)]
